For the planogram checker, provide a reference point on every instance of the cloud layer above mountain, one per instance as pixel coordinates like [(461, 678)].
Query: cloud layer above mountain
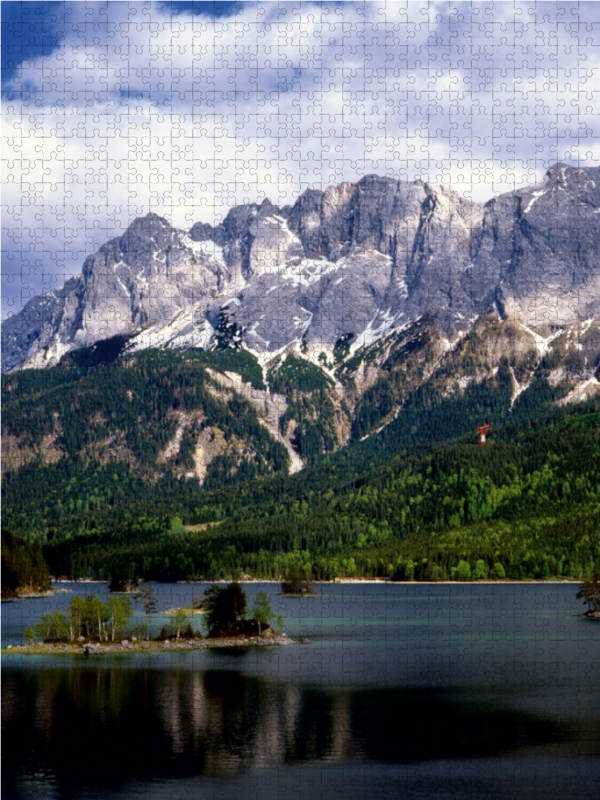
[(182, 110)]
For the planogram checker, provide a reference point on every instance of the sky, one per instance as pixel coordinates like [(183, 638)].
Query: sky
[(113, 110)]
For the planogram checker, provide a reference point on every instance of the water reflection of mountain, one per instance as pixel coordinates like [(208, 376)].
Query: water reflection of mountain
[(101, 727)]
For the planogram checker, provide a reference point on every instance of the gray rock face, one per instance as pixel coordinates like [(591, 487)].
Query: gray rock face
[(353, 261), (541, 248), (253, 239), (35, 334), (441, 254), (146, 276), (150, 273)]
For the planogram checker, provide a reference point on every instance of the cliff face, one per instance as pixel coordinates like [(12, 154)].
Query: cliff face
[(148, 274), (540, 249), (346, 265)]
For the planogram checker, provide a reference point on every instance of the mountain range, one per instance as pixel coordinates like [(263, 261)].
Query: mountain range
[(355, 261), (330, 319)]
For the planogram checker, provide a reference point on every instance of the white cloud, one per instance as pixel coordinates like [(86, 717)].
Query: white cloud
[(187, 116)]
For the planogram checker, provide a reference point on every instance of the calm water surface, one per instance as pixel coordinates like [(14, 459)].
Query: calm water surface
[(406, 691)]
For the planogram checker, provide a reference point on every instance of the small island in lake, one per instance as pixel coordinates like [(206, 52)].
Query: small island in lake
[(297, 582), (589, 592), (93, 627)]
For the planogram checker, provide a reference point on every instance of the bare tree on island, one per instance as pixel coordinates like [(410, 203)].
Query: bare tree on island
[(145, 596), (262, 611)]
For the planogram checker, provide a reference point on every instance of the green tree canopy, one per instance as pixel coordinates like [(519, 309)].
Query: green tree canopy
[(225, 608)]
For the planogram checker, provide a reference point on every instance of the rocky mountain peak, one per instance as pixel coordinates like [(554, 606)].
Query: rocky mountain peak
[(150, 224), (563, 174), (348, 263)]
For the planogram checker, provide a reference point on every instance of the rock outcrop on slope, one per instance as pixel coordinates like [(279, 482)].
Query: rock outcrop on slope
[(346, 265)]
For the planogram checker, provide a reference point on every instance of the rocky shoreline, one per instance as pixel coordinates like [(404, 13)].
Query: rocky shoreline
[(127, 646)]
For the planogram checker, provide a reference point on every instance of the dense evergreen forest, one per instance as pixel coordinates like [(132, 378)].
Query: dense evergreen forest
[(87, 477)]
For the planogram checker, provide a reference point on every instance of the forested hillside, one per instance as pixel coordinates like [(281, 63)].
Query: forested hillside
[(527, 505), (150, 412), (108, 456), (105, 426)]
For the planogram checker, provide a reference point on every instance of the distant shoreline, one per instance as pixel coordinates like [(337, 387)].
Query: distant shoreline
[(340, 581), (358, 581)]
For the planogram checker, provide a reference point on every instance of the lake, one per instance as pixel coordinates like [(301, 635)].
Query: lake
[(405, 691)]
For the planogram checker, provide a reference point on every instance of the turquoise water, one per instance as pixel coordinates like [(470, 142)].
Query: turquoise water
[(420, 691)]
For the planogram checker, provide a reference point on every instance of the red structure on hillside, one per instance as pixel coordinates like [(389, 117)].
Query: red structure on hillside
[(482, 430)]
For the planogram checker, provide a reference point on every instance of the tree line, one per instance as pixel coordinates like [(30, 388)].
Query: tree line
[(24, 568)]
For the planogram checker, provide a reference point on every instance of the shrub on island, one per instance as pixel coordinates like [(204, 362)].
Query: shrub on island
[(297, 581)]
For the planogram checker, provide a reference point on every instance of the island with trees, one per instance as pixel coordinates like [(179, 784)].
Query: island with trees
[(589, 592), (297, 581), (91, 626)]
